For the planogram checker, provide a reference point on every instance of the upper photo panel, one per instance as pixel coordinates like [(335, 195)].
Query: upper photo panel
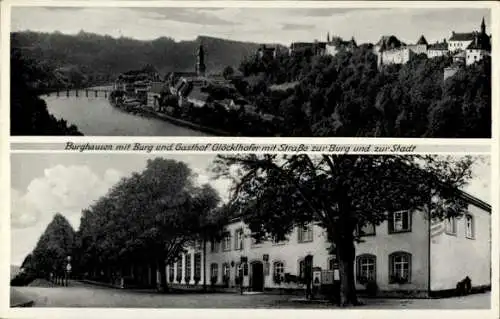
[(260, 72)]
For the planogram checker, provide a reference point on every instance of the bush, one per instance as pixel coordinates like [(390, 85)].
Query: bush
[(187, 279), (213, 280), (225, 280), (196, 280), (22, 279)]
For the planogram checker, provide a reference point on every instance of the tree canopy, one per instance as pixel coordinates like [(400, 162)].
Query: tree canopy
[(341, 193), (52, 249), (150, 216), (348, 95)]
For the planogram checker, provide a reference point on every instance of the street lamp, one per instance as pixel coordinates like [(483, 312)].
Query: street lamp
[(68, 268)]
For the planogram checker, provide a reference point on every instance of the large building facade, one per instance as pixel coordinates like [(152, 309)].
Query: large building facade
[(408, 254)]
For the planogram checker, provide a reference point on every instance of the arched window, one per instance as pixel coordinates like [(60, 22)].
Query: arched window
[(366, 268), (399, 268), (469, 226)]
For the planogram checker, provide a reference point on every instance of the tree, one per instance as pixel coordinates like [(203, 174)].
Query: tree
[(341, 193), (51, 250), (149, 217)]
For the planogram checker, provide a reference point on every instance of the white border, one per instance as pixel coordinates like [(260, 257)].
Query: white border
[(204, 313)]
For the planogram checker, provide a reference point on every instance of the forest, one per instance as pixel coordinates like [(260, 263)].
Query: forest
[(96, 59), (348, 96)]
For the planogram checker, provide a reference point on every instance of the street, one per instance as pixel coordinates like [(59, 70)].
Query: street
[(85, 295)]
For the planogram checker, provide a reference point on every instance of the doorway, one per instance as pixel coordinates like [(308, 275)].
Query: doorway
[(257, 278)]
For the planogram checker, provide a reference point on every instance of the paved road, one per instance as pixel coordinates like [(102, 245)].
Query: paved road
[(84, 295)]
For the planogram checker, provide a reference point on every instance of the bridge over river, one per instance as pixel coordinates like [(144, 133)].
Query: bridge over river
[(91, 112)]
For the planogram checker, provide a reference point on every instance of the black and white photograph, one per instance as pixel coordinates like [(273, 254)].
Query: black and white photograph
[(251, 72), (303, 231)]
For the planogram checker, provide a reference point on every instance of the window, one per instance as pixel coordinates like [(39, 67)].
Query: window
[(469, 226), (214, 246), (366, 268), (197, 265), (214, 271), (305, 233), (451, 226), (188, 267), (366, 230), (400, 268), (278, 268), (227, 242), (238, 243), (400, 222)]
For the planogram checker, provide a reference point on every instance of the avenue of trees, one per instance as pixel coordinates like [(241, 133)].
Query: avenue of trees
[(149, 218), (50, 253), (347, 95), (341, 193)]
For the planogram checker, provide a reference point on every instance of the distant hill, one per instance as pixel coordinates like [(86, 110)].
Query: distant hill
[(98, 57)]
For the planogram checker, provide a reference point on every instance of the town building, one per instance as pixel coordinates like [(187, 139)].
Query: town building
[(437, 49), (307, 48), (408, 254), (334, 46), (267, 53)]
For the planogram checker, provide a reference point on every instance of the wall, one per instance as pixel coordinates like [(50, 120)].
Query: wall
[(473, 56), (396, 56), (450, 71), (454, 257), (436, 53), (290, 253), (383, 244), (454, 46)]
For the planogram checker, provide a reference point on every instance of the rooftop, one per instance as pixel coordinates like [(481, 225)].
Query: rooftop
[(462, 36)]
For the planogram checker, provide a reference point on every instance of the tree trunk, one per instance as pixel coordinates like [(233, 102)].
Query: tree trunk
[(345, 255), (163, 275), (204, 265)]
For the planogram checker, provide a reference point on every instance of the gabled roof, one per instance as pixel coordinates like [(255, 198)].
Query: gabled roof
[(422, 40), (462, 36), (388, 42), (480, 42), (442, 46)]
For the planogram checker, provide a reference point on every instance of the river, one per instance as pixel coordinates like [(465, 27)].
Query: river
[(95, 116)]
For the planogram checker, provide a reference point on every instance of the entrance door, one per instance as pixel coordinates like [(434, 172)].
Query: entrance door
[(257, 276)]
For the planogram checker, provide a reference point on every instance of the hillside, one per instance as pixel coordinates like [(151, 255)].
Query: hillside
[(100, 57)]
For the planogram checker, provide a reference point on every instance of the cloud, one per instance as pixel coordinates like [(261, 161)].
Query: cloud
[(293, 26), (62, 189), (199, 16)]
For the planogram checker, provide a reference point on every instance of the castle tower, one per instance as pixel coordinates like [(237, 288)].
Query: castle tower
[(200, 61), (483, 27)]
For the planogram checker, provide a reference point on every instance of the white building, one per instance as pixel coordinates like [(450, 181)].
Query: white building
[(407, 254)]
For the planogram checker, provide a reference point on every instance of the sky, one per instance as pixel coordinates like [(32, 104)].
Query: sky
[(262, 25), (43, 184)]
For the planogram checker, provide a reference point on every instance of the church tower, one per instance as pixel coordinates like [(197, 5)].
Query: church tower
[(483, 27), (200, 61)]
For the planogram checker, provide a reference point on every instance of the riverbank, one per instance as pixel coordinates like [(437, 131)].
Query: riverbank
[(148, 112)]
